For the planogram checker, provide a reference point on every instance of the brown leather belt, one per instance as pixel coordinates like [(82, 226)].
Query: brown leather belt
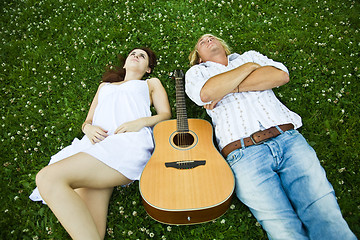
[(256, 138)]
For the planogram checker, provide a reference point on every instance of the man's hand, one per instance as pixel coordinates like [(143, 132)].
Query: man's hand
[(211, 105)]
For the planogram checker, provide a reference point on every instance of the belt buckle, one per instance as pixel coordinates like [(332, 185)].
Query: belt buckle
[(253, 140)]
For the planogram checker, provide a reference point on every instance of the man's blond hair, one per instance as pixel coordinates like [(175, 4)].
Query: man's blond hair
[(194, 56)]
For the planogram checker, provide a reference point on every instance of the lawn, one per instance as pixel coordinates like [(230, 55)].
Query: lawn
[(53, 53)]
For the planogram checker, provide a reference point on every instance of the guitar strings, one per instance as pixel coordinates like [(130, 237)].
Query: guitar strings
[(183, 130)]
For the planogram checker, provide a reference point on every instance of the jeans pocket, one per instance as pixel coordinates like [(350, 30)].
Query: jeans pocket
[(234, 156)]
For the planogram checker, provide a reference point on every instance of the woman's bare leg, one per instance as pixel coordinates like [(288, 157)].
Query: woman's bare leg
[(57, 182), (97, 201)]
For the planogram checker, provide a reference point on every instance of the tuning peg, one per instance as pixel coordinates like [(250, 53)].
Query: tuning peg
[(178, 73)]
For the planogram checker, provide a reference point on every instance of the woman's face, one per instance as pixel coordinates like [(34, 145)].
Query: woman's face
[(138, 60)]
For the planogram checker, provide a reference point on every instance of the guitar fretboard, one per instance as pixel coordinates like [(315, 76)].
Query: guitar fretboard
[(181, 115)]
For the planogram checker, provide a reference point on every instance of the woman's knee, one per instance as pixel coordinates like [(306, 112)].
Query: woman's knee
[(46, 180), (42, 178)]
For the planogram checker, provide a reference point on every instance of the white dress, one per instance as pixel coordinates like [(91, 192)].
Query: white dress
[(127, 152)]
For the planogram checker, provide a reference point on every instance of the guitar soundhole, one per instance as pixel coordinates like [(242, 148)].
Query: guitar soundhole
[(183, 140)]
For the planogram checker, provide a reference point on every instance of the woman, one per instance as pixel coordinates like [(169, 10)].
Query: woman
[(115, 149)]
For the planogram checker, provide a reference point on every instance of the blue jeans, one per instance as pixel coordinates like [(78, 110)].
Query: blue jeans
[(286, 189)]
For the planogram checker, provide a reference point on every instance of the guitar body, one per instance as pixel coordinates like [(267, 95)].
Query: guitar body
[(186, 184)]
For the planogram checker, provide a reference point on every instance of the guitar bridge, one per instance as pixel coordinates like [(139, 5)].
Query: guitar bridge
[(185, 164)]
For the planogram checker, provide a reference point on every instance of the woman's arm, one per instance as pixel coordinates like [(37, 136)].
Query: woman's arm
[(93, 105), (159, 99), (94, 133)]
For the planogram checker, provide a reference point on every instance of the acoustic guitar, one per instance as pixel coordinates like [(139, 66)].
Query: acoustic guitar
[(186, 181)]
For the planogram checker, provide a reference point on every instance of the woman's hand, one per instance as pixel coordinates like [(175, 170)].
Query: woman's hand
[(95, 133), (132, 126)]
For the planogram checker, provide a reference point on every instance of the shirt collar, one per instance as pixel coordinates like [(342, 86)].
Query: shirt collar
[(230, 57)]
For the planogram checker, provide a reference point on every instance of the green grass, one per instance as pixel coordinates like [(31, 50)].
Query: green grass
[(53, 54)]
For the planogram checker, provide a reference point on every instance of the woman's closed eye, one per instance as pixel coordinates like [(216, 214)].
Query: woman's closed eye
[(140, 55)]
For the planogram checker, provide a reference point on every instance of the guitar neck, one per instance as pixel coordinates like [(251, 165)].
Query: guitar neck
[(181, 115)]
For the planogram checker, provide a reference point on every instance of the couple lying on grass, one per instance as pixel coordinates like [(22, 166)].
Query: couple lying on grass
[(277, 173)]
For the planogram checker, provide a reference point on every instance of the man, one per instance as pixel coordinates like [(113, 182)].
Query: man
[(278, 175)]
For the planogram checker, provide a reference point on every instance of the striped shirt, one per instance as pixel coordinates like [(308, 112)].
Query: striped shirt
[(238, 115)]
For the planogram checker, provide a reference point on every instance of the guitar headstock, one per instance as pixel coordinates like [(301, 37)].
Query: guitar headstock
[(178, 74)]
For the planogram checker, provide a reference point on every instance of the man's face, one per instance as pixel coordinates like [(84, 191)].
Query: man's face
[(208, 46)]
